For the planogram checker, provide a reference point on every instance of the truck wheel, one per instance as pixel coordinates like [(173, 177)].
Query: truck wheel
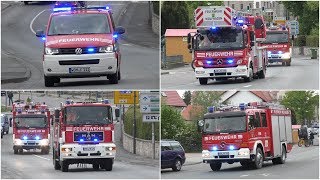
[(108, 164), (215, 166), (45, 150), (258, 160), (250, 78), (283, 63), (119, 75), (26, 2), (64, 166), (113, 78), (177, 165), (15, 151), (262, 73), (203, 81), (95, 166), (288, 63), (48, 81), (283, 157), (55, 162)]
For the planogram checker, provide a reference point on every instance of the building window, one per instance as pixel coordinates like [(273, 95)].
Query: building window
[(232, 6), (241, 6), (250, 5), (257, 5), (264, 4)]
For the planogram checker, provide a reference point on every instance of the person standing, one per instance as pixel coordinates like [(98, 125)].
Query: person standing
[(10, 97)]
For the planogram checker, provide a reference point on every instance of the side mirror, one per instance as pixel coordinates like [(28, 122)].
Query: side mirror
[(119, 30), (258, 23), (292, 37), (117, 112), (189, 38), (56, 115), (200, 125), (40, 33), (189, 46)]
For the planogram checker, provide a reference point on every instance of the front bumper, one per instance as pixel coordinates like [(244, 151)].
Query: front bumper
[(279, 58), (239, 71), (81, 151), (234, 156), (30, 144), (99, 64)]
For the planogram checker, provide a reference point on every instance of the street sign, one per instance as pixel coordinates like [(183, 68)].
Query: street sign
[(151, 118), (149, 108), (149, 98), (294, 27), (125, 97)]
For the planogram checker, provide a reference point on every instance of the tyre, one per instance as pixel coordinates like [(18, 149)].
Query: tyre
[(250, 78), (258, 160), (7, 132), (113, 78), (192, 65), (282, 159), (177, 165), (203, 81), (95, 166), (26, 2), (262, 73), (15, 151), (215, 166), (108, 164), (283, 63), (307, 143), (64, 166), (55, 162), (48, 81), (288, 62), (119, 75), (300, 143), (44, 150), (20, 151)]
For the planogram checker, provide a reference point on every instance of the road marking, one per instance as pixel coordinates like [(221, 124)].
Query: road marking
[(42, 157), (127, 44), (245, 175), (247, 86), (265, 174), (31, 23)]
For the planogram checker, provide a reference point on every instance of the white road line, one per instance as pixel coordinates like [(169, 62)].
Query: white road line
[(42, 157), (265, 174), (31, 23), (247, 86), (245, 175), (127, 44)]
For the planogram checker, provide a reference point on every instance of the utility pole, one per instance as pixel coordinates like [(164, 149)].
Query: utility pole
[(134, 122)]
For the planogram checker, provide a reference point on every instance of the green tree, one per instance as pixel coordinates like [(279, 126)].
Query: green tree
[(307, 13), (302, 103), (205, 99), (172, 124), (174, 15), (187, 97)]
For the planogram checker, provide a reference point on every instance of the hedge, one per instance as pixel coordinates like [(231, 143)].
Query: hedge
[(312, 41), (144, 130), (300, 41)]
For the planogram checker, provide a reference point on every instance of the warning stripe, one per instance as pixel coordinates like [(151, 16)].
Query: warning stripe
[(200, 22), (227, 15), (199, 17)]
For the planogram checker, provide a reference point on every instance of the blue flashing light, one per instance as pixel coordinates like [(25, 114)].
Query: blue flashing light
[(43, 38), (213, 28), (242, 106), (240, 21), (81, 140), (115, 36), (107, 7), (231, 147), (280, 52), (269, 52), (209, 62), (95, 140), (106, 101), (37, 137), (214, 148), (62, 9), (211, 109), (19, 110), (90, 49), (25, 137), (68, 101), (230, 61)]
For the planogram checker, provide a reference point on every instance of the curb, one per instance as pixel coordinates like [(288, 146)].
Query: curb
[(127, 160), (162, 73), (194, 163)]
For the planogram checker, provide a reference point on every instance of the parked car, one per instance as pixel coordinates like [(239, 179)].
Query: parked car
[(5, 123), (172, 155)]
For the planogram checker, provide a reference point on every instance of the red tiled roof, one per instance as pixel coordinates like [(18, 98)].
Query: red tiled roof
[(296, 126), (173, 99), (187, 112), (178, 32), (264, 95)]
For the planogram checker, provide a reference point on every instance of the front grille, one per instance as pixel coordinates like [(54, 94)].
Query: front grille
[(31, 144), (220, 74), (95, 154), (79, 62), (73, 50), (82, 154)]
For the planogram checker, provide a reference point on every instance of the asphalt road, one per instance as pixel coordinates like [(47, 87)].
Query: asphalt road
[(139, 68), (302, 74), (302, 163)]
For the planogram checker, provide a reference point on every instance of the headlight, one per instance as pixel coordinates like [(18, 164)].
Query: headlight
[(286, 55), (243, 153), (44, 142), (52, 51), (106, 49), (66, 149), (18, 142), (110, 148), (205, 153)]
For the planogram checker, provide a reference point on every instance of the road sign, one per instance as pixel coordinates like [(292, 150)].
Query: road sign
[(149, 98), (150, 118), (149, 108), (125, 97), (294, 27)]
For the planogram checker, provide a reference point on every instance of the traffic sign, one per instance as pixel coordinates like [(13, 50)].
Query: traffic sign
[(149, 108), (294, 27), (125, 97), (150, 118), (149, 98)]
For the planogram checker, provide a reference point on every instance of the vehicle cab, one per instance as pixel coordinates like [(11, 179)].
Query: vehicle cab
[(81, 42)]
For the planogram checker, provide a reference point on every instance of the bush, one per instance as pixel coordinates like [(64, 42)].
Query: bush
[(144, 130), (191, 139), (300, 41), (312, 41)]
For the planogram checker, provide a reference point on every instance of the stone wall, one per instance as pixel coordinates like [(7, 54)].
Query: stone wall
[(143, 147), (155, 24), (305, 50)]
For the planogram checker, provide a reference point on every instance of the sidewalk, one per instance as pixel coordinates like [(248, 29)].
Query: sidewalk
[(138, 30), (184, 69), (193, 158)]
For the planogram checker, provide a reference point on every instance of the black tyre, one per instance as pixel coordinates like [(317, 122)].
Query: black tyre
[(108, 164), (250, 78), (283, 157), (262, 73), (306, 143), (288, 62), (20, 151), (55, 162), (203, 81), (113, 78), (283, 63), (64, 166), (26, 2), (95, 166), (216, 166), (177, 165), (7, 132), (258, 160), (45, 150), (48, 81), (15, 151)]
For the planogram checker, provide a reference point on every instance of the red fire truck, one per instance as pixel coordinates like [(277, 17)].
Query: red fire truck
[(31, 127), (227, 44), (84, 133), (249, 134), (278, 45)]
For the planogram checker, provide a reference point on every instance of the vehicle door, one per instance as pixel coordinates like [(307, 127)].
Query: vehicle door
[(166, 154)]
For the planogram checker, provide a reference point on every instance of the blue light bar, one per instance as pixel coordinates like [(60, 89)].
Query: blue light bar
[(81, 140), (25, 137), (95, 140), (214, 148), (230, 61), (213, 27), (68, 101), (280, 52), (211, 109), (37, 137), (107, 7), (43, 38), (90, 49), (240, 21), (242, 106), (62, 9), (106, 101), (231, 147), (209, 62), (19, 110), (115, 36)]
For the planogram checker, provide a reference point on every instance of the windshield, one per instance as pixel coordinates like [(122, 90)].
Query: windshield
[(2, 119), (88, 115), (280, 37), (79, 24), (225, 38), (31, 122), (225, 124)]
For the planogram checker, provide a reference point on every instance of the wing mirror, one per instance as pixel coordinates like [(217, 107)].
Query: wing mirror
[(119, 30), (40, 33), (200, 125)]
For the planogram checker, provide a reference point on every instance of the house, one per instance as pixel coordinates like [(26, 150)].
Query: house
[(189, 113), (173, 99), (237, 97)]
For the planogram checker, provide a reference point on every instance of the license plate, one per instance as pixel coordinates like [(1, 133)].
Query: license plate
[(88, 148), (79, 69), (31, 142), (223, 153), (220, 71), (274, 56)]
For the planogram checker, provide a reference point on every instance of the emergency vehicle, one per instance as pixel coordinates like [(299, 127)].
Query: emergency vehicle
[(249, 134), (31, 127), (227, 44), (83, 133), (278, 45), (81, 42)]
